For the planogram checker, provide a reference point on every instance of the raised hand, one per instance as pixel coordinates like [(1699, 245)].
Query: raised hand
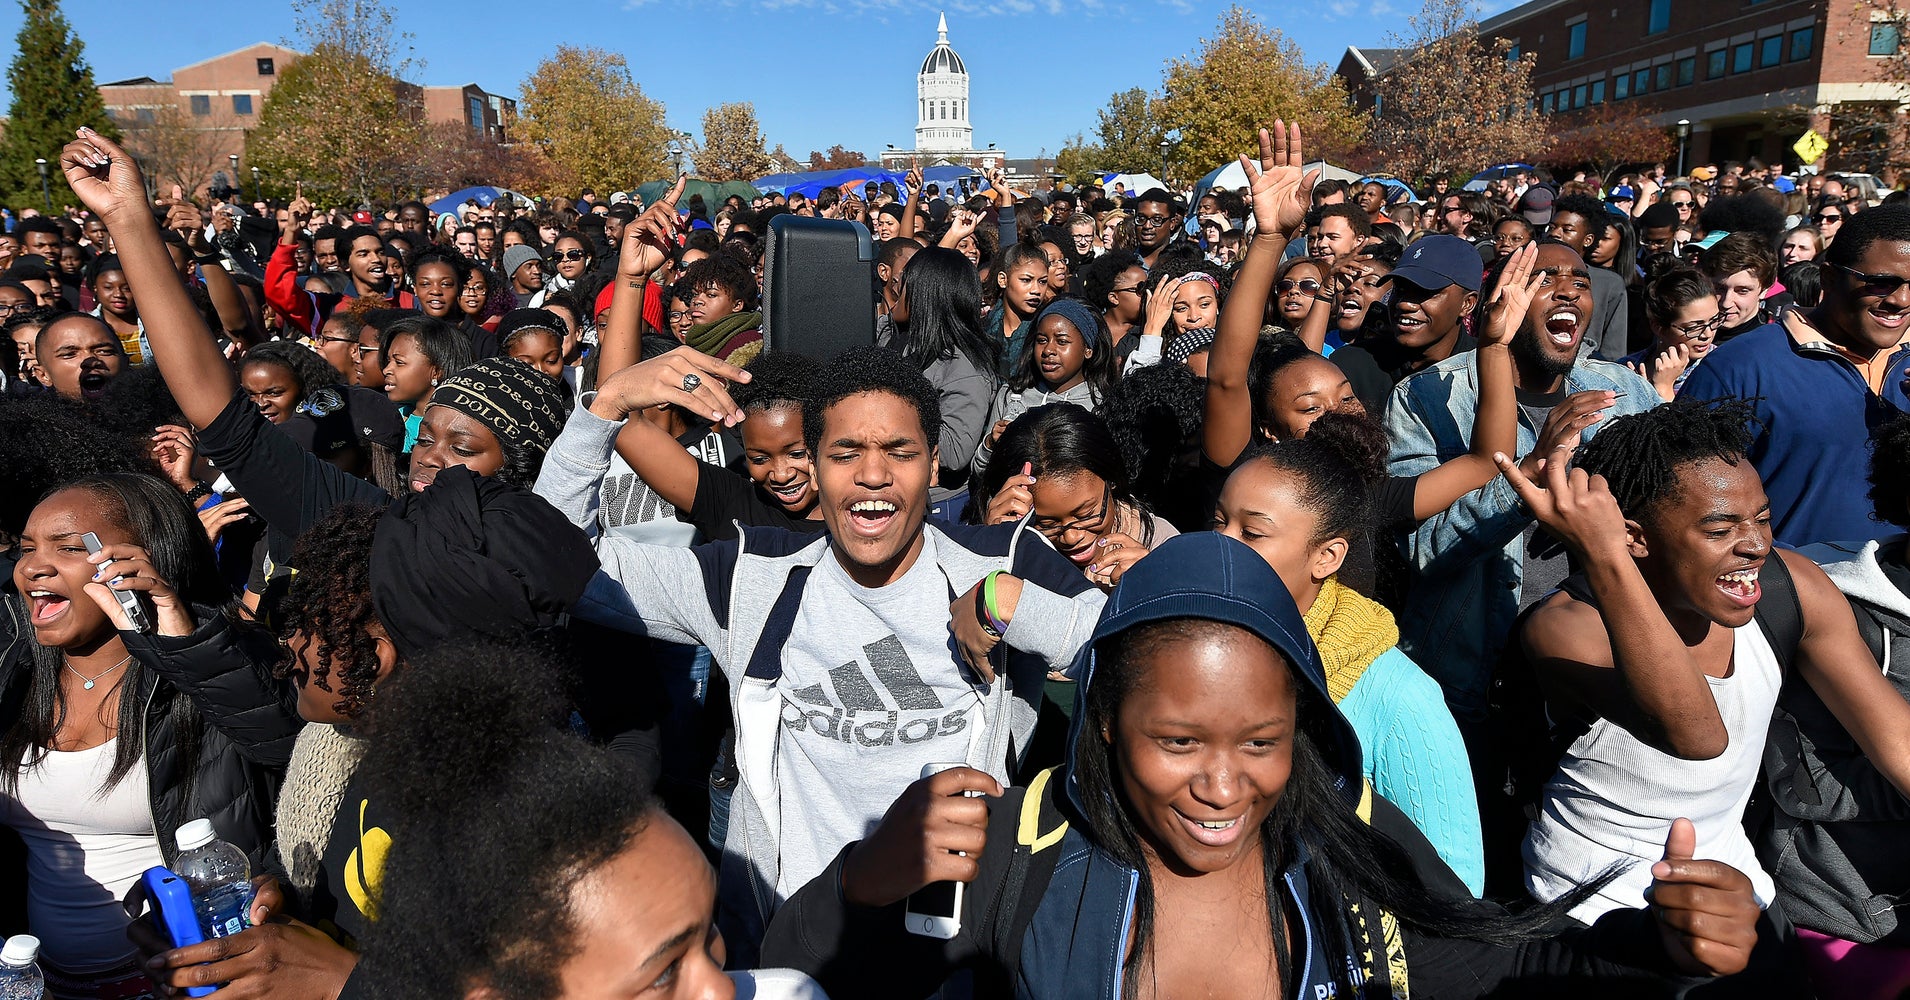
[(1564, 429), (1016, 497), (1511, 296), (105, 178), (649, 241), (913, 180), (1707, 913), (1160, 309), (1574, 505), (1667, 366), (174, 448), (683, 377), (1281, 189)]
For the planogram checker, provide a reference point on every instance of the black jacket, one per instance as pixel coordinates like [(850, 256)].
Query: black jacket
[(218, 729)]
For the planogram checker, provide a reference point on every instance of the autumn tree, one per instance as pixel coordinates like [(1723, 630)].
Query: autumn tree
[(1238, 82), (1079, 160), (732, 144), (583, 110), (53, 95), (836, 158), (1128, 132), (1606, 136), (340, 118), (1455, 103)]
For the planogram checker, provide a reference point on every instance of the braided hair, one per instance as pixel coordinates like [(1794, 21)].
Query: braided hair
[(330, 602), (1639, 455)]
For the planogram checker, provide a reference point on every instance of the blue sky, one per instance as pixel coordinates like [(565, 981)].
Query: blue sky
[(819, 71)]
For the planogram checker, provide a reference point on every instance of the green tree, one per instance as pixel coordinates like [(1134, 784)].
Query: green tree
[(1079, 160), (53, 95), (1239, 81), (340, 118), (592, 120), (1129, 132)]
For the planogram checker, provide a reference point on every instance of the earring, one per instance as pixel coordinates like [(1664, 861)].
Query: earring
[(434, 383)]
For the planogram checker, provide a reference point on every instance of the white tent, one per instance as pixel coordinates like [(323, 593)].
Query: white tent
[(1231, 176), (1133, 183)]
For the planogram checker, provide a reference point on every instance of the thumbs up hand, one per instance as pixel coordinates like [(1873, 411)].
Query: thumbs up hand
[(1707, 914)]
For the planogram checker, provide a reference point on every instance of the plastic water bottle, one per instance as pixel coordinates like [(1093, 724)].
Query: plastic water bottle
[(219, 876), (20, 977)]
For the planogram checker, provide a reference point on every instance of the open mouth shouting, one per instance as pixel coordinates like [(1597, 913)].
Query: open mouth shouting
[(871, 516), (1740, 586), (46, 606), (1562, 327)]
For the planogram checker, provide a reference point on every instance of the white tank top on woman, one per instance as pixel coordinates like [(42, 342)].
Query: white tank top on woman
[(1613, 798), (84, 850)]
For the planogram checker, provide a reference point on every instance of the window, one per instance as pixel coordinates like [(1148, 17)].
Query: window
[(1575, 41), (1598, 91), (1578, 96), (1621, 86), (1801, 40), (474, 111), (266, 68), (201, 104), (1770, 51), (241, 104), (1512, 54), (1660, 18), (1663, 74), (1548, 105), (1714, 63), (1885, 36), (1741, 58), (1641, 83), (1687, 71), (143, 116)]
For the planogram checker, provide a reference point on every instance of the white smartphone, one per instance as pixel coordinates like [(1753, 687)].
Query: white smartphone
[(935, 910)]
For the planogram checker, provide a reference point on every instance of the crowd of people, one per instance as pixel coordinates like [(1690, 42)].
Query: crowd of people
[(1291, 591)]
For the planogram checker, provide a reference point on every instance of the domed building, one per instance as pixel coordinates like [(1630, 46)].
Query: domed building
[(943, 132)]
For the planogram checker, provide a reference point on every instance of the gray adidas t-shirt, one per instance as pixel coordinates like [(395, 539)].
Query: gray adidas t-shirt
[(871, 692)]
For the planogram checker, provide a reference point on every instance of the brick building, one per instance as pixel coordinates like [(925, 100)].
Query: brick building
[(479, 110), (1748, 74)]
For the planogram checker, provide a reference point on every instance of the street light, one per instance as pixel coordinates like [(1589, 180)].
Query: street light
[(1684, 132), (1165, 143), (676, 156), (256, 196), (233, 159), (46, 194)]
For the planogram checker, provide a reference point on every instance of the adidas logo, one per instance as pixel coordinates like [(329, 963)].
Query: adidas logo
[(899, 707)]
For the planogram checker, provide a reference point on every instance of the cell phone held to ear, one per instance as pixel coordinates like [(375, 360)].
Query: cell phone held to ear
[(128, 601)]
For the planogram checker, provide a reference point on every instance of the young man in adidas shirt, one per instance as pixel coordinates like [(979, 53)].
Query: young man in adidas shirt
[(854, 658)]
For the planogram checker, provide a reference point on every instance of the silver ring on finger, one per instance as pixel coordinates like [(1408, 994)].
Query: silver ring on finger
[(691, 380)]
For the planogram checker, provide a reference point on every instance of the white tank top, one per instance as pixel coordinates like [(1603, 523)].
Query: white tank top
[(84, 850), (1613, 798)]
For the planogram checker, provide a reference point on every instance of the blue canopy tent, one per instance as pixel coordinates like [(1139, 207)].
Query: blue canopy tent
[(484, 194), (1396, 189), (1493, 173)]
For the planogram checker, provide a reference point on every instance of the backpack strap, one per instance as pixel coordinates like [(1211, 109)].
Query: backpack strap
[(1039, 827), (1779, 612)]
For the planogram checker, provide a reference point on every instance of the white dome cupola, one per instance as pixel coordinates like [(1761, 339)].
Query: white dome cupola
[(941, 91)]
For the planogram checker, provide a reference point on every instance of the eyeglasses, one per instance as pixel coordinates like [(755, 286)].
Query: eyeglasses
[(363, 350), (323, 339), (1702, 326), (1084, 237), (1151, 221), (572, 255), (1880, 285), (1140, 290), (678, 316), (1091, 522), (7, 310), (1307, 285)]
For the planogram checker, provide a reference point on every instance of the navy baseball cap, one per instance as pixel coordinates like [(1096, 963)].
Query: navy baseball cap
[(1433, 262), (1622, 192)]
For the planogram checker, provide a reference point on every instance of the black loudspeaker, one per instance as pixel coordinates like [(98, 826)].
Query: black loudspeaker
[(818, 286)]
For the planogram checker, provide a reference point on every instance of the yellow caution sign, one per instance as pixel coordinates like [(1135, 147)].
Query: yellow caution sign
[(1810, 146)]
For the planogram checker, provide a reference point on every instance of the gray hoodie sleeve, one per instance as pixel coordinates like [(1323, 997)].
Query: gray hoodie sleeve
[(966, 392), (638, 588)]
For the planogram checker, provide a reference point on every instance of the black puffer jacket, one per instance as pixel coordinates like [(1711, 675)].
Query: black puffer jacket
[(218, 728)]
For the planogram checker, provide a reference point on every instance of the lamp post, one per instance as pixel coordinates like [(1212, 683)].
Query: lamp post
[(1165, 143), (232, 159), (256, 196), (1684, 132), (676, 156), (46, 194)]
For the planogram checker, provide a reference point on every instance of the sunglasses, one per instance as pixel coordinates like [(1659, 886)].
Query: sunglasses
[(1682, 204), (1829, 217), (1880, 285), (1307, 285), (1140, 290), (571, 255)]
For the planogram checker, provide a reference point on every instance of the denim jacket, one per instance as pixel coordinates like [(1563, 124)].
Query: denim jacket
[(1470, 558)]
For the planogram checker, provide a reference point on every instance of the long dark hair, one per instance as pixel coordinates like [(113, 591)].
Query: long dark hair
[(1348, 862), (1059, 440), (159, 520), (945, 311)]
